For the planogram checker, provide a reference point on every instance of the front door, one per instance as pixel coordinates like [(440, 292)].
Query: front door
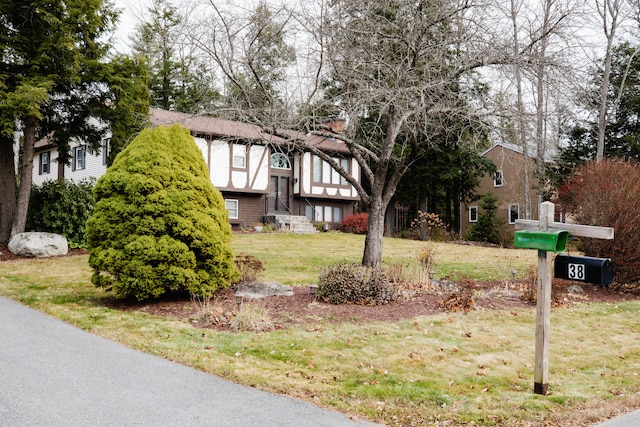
[(279, 195)]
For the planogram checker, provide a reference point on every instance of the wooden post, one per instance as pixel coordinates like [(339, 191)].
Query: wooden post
[(545, 278), (543, 306)]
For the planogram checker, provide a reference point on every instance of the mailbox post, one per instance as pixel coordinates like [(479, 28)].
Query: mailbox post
[(548, 236)]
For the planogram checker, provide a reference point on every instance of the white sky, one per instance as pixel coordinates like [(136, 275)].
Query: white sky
[(132, 11)]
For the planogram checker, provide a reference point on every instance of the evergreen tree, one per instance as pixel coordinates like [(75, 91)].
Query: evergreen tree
[(178, 80), (55, 78), (489, 226), (159, 226)]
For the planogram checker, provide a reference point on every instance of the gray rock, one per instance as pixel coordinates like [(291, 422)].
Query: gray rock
[(38, 244), (262, 289), (574, 289), (446, 285)]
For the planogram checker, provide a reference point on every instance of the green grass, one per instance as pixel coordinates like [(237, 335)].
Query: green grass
[(297, 259), (464, 369)]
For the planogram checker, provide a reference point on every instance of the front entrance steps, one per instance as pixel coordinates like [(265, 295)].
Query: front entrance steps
[(293, 223)]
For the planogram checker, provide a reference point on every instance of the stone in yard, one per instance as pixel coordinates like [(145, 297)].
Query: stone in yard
[(38, 244), (574, 289), (262, 289)]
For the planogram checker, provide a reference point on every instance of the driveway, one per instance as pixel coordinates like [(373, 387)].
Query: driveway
[(53, 374)]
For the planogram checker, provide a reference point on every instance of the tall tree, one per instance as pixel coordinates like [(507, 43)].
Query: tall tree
[(55, 81), (622, 135), (253, 55), (399, 72), (178, 79), (611, 13)]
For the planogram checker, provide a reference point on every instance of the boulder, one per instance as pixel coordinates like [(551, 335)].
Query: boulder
[(262, 289), (38, 244)]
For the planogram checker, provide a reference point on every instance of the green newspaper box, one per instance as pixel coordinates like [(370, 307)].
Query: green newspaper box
[(552, 241)]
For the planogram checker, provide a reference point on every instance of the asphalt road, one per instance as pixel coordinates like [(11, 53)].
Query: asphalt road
[(53, 374)]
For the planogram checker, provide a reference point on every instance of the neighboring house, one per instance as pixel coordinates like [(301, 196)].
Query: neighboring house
[(83, 165), (261, 177), (507, 185)]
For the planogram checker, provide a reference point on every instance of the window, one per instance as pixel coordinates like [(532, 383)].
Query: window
[(232, 208), (317, 169), (239, 156), (324, 173), (320, 213), (514, 212), (45, 163), (337, 214), (106, 147), (280, 161), (309, 212), (498, 178), (345, 165), (473, 214), (79, 154)]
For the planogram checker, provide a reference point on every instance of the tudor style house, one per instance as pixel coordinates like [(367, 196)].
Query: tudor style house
[(261, 179), (507, 185)]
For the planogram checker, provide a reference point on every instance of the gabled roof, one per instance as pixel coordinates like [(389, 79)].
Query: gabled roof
[(549, 154), (512, 147), (201, 125)]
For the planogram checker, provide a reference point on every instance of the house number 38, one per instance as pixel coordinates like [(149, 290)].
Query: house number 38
[(576, 271)]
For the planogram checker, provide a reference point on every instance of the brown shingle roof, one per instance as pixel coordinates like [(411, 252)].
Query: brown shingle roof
[(221, 128)]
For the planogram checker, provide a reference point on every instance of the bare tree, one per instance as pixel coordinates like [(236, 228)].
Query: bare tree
[(540, 43), (401, 73), (611, 13)]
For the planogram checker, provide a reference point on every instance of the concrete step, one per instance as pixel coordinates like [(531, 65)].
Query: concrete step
[(293, 223)]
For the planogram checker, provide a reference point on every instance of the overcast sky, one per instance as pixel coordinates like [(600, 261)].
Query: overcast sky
[(132, 11)]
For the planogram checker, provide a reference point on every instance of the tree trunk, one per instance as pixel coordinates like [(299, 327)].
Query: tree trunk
[(24, 193), (373, 243), (7, 187)]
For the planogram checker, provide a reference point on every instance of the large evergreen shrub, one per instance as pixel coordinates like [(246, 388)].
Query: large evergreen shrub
[(159, 225), (607, 194), (62, 207)]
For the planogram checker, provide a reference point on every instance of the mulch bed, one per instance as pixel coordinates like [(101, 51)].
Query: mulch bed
[(302, 308)]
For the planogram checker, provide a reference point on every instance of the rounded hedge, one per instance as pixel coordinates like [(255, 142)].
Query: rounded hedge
[(159, 225)]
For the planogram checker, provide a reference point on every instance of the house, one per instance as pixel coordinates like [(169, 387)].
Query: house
[(507, 185), (262, 178), (83, 165)]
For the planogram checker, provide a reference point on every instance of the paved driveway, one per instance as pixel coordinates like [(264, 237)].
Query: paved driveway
[(53, 374)]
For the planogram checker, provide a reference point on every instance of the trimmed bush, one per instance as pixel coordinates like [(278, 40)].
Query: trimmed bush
[(607, 194), (61, 207), (159, 225), (353, 283), (356, 223)]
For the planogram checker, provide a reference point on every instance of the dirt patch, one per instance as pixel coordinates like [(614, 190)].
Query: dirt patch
[(303, 309)]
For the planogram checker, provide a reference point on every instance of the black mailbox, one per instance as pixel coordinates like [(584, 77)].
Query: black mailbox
[(584, 269)]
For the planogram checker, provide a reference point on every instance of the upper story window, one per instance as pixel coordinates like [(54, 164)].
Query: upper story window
[(498, 178), (325, 174), (239, 156), (45, 163), (79, 158), (280, 161)]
